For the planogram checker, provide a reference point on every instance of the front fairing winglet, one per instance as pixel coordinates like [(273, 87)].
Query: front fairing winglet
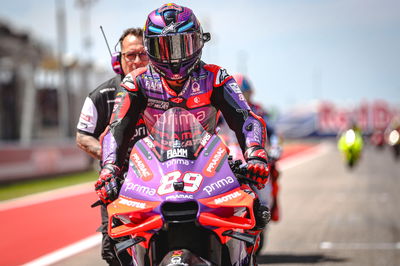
[(128, 207)]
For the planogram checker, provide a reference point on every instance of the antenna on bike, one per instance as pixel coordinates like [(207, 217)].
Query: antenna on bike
[(105, 38)]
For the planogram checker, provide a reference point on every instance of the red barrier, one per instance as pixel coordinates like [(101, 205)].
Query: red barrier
[(37, 160)]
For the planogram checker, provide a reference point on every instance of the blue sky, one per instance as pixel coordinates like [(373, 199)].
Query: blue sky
[(294, 51)]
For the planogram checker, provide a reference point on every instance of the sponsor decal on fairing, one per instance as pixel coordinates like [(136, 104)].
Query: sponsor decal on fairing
[(140, 165), (173, 153), (227, 197), (205, 139), (132, 203), (176, 162), (212, 165), (140, 189), (149, 143), (218, 185), (179, 196)]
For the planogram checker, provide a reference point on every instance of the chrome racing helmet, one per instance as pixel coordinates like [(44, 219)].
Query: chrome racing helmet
[(173, 39)]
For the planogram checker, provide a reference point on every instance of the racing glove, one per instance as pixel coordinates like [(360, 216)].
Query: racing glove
[(257, 165), (108, 185)]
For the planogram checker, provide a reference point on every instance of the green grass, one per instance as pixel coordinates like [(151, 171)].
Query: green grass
[(23, 188)]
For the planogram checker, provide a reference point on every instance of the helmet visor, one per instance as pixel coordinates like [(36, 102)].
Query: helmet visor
[(176, 47)]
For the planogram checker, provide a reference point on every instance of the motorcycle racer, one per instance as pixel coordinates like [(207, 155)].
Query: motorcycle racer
[(176, 77), (350, 143)]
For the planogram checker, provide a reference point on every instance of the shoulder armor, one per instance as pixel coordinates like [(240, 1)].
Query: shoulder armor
[(221, 76), (129, 82)]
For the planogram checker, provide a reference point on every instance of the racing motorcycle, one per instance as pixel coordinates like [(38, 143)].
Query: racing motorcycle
[(184, 201), (350, 144)]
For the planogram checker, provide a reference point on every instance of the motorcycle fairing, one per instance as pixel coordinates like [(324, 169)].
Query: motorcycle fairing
[(207, 180), (136, 215)]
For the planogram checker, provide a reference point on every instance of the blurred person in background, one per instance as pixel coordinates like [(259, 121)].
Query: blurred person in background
[(176, 77), (274, 150), (392, 136), (97, 110)]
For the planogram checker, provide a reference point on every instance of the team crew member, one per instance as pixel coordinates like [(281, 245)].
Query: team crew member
[(97, 110)]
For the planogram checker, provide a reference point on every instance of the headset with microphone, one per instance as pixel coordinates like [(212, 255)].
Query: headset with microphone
[(115, 57)]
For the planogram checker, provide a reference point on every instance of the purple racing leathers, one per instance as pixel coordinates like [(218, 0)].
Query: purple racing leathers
[(208, 90)]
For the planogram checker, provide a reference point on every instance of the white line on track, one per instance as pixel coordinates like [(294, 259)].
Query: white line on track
[(67, 251), (360, 246), (92, 241)]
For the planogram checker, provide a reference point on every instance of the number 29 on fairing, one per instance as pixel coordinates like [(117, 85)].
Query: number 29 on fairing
[(191, 180)]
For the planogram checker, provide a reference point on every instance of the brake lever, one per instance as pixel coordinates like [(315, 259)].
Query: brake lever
[(97, 203)]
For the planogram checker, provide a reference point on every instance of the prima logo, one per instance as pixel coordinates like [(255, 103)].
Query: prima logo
[(140, 189), (140, 131), (177, 161), (184, 119), (219, 184)]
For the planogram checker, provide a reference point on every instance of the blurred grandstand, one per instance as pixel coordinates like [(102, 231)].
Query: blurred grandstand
[(41, 97), (327, 119)]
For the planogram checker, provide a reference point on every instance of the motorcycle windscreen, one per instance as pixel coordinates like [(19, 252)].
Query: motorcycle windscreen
[(178, 134)]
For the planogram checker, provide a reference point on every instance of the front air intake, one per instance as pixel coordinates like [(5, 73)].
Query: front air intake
[(180, 212)]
